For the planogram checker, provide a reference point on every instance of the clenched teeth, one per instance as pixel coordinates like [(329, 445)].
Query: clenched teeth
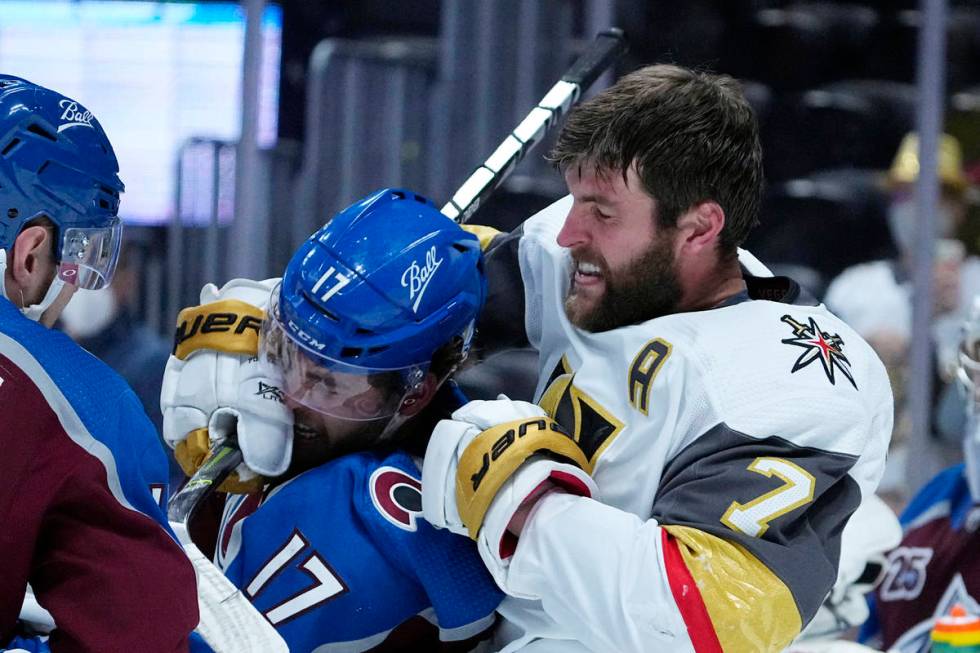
[(587, 268), (304, 432)]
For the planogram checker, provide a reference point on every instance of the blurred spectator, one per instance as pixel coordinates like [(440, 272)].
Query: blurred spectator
[(875, 298), (937, 564), (104, 323)]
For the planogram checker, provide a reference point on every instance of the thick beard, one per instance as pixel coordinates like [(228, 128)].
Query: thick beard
[(316, 443), (645, 289)]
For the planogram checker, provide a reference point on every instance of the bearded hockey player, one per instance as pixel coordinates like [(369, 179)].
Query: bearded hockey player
[(703, 434), (937, 564), (84, 476), (358, 342)]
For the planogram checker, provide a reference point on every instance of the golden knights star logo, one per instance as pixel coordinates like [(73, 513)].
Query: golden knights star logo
[(819, 346)]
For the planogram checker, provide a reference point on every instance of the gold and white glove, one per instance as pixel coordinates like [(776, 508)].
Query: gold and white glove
[(214, 387), (490, 461)]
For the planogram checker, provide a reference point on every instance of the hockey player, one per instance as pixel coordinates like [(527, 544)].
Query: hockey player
[(936, 565), (84, 475), (372, 315), (703, 434)]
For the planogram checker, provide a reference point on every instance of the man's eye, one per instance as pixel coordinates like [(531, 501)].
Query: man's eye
[(599, 214)]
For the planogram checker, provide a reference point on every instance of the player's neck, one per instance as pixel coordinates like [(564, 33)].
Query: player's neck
[(713, 287)]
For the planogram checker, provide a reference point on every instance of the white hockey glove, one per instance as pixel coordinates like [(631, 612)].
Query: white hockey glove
[(487, 463), (214, 387)]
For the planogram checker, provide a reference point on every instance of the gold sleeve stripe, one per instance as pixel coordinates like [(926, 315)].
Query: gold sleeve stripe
[(494, 455), (750, 608), (483, 233), (230, 326)]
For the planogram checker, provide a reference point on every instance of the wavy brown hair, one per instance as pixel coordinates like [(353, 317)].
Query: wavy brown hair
[(691, 135)]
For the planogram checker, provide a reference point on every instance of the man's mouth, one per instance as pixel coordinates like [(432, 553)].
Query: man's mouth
[(304, 431), (587, 274)]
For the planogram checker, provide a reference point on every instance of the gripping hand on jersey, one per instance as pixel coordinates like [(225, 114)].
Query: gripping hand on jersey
[(485, 465), (214, 387)]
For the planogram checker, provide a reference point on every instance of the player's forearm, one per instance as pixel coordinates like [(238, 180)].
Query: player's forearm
[(620, 583), (600, 574)]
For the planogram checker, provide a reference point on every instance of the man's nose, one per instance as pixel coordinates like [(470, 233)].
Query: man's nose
[(573, 232)]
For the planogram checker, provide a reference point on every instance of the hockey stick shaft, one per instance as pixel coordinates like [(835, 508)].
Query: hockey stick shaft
[(229, 622), (606, 49)]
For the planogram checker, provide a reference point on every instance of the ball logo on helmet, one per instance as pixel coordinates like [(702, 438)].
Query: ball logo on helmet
[(74, 115), (416, 278)]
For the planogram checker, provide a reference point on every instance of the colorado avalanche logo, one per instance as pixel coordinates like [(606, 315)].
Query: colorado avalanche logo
[(397, 496), (819, 346)]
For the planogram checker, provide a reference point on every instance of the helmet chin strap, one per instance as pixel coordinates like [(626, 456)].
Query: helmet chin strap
[(34, 311)]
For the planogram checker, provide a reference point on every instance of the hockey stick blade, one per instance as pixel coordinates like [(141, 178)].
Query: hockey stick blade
[(604, 51), (229, 622)]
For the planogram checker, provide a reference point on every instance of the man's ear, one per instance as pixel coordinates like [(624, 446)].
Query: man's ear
[(701, 225), (413, 404), (30, 248)]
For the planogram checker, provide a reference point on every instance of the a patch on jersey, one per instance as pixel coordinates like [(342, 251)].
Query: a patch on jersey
[(397, 496), (819, 345), (906, 573), (643, 371), (590, 424)]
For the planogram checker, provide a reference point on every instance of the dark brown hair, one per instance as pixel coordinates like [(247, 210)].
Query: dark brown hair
[(691, 135)]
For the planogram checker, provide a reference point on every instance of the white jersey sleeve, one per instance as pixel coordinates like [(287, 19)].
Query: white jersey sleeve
[(729, 447)]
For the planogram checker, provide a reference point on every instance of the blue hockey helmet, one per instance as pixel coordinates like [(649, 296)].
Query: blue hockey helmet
[(56, 162), (368, 300)]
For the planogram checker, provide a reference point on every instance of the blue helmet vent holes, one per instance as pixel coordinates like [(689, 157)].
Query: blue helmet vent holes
[(42, 131), (9, 148)]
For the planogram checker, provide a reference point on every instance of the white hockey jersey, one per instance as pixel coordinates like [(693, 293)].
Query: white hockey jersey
[(729, 447)]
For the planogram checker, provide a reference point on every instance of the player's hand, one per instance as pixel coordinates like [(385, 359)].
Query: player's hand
[(485, 468), (214, 387)]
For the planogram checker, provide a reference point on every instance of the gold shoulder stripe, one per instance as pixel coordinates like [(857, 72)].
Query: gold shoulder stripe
[(230, 326), (750, 608), (483, 233), (494, 455)]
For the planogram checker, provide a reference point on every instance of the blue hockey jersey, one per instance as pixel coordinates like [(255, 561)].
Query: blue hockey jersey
[(341, 554), (81, 501)]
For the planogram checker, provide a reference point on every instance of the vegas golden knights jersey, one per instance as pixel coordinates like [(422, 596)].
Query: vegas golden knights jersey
[(729, 447)]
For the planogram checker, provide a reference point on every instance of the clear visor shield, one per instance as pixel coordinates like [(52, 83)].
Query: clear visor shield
[(333, 387), (89, 255)]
